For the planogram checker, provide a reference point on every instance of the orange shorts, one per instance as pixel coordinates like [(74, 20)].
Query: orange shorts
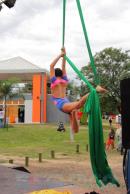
[(110, 141)]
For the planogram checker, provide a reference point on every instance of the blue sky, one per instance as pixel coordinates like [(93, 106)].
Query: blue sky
[(33, 29)]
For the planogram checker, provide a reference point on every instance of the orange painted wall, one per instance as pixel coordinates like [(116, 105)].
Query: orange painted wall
[(12, 113), (36, 98), (45, 99), (12, 108)]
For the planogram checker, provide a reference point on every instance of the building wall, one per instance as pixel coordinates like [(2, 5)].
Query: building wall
[(39, 98), (12, 113), (28, 108), (53, 114), (36, 114), (12, 109)]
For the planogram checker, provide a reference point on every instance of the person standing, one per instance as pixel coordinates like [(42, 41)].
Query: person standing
[(119, 137), (111, 139), (110, 121)]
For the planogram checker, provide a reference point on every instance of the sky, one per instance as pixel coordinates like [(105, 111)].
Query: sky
[(32, 29)]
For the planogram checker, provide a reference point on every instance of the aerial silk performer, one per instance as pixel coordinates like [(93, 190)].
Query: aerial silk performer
[(59, 81)]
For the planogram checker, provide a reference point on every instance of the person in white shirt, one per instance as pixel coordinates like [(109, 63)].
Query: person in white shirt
[(119, 137)]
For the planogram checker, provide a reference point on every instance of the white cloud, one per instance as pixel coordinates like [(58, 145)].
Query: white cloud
[(33, 29)]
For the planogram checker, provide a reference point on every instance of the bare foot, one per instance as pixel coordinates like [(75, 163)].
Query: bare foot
[(74, 121), (100, 89)]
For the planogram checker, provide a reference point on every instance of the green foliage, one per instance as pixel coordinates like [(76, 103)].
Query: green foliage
[(112, 65), (6, 87), (73, 91), (27, 88)]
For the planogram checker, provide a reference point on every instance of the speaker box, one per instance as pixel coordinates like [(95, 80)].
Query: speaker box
[(125, 112), (10, 3)]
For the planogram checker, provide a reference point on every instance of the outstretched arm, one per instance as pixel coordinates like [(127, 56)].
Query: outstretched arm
[(52, 65), (63, 62)]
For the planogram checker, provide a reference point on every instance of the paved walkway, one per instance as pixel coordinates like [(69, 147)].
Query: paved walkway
[(18, 182)]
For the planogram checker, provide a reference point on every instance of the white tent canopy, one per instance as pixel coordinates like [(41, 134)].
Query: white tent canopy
[(19, 67)]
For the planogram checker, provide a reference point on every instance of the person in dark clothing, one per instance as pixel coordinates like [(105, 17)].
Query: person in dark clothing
[(110, 121), (61, 127)]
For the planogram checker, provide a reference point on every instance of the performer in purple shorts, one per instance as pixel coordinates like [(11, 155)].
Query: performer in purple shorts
[(59, 82)]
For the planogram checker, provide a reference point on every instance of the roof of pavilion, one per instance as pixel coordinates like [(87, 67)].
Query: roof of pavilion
[(19, 67)]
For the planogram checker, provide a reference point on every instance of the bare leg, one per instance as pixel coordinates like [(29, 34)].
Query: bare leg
[(73, 106), (69, 107), (112, 144), (107, 145), (74, 121)]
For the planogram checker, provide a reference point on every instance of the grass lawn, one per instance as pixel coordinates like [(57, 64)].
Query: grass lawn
[(29, 140)]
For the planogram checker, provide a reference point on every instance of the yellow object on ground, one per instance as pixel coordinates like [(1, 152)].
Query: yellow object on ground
[(50, 192)]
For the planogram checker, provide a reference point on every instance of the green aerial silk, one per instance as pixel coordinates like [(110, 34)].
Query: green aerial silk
[(100, 167), (63, 31), (99, 162), (79, 73), (96, 77)]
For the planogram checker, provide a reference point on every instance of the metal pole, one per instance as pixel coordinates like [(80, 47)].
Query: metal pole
[(71, 134)]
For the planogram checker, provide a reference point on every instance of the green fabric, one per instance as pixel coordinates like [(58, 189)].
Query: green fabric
[(96, 77), (85, 35), (64, 13), (98, 157), (79, 73), (100, 167), (99, 162)]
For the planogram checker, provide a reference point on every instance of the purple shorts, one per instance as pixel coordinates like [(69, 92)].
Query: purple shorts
[(59, 102)]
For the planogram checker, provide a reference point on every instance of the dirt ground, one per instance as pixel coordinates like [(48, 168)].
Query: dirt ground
[(77, 171)]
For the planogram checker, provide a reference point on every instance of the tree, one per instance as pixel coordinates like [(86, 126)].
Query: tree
[(6, 91), (73, 91), (27, 88), (112, 65)]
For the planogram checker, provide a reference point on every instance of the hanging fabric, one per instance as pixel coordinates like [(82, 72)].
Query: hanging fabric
[(100, 167), (63, 31), (96, 77)]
